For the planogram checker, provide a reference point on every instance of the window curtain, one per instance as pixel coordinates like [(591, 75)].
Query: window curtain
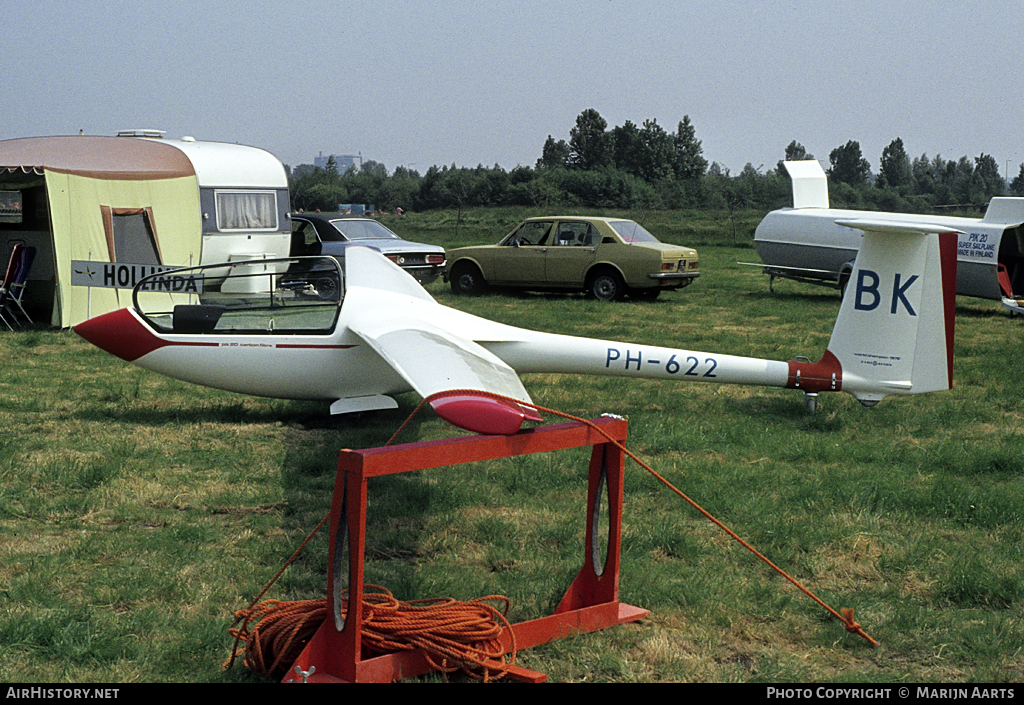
[(246, 211)]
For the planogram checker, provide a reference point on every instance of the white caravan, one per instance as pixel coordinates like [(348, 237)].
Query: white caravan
[(103, 211)]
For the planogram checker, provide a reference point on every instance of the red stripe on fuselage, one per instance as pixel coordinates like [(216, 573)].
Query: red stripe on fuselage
[(305, 346)]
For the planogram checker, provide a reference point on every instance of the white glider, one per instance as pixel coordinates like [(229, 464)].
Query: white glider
[(386, 335)]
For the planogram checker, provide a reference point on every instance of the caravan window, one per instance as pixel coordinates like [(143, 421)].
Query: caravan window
[(246, 210)]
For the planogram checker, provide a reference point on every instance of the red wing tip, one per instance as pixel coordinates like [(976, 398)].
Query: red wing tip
[(480, 414)]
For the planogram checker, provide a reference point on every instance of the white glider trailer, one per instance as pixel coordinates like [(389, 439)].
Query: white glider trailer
[(104, 211), (805, 243)]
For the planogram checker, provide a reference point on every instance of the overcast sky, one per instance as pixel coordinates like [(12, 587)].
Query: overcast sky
[(470, 82)]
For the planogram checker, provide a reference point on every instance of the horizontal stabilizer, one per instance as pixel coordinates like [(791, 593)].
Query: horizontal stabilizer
[(895, 227)]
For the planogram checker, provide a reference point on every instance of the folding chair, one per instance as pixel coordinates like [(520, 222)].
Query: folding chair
[(13, 288)]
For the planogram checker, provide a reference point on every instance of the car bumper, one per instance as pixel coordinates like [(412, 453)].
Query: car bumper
[(674, 277), (424, 272)]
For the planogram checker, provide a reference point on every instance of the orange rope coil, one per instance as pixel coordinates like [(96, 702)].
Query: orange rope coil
[(453, 635)]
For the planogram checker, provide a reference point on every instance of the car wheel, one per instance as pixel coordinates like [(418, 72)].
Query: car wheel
[(606, 285), (327, 288), (466, 279)]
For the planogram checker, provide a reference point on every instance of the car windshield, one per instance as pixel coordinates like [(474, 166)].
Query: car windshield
[(532, 232), (631, 231), (363, 230)]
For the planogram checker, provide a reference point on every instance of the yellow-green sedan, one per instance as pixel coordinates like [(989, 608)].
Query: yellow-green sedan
[(606, 257)]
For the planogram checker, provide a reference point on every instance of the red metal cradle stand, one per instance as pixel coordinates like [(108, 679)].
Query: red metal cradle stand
[(591, 603)]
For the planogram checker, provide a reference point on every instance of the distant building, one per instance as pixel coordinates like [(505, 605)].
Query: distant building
[(343, 161)]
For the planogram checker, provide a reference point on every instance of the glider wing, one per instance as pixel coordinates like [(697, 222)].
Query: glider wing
[(434, 360), (422, 345)]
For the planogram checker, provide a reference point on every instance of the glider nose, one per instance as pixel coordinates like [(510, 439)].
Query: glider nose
[(119, 333)]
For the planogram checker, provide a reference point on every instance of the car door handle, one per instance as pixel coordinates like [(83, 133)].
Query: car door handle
[(540, 249)]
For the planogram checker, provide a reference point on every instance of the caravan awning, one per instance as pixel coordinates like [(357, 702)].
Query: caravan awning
[(97, 157)]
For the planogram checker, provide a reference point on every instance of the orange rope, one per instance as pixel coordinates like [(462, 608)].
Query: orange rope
[(453, 635), (847, 613), (280, 632), (466, 634)]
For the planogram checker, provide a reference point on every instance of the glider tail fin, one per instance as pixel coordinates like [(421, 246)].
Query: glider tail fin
[(894, 332)]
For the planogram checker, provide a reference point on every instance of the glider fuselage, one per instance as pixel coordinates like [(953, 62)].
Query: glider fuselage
[(340, 364), (355, 339)]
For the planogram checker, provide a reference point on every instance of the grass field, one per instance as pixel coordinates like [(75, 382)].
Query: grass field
[(138, 513)]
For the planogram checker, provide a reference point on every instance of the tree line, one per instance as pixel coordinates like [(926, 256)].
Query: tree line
[(646, 167)]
